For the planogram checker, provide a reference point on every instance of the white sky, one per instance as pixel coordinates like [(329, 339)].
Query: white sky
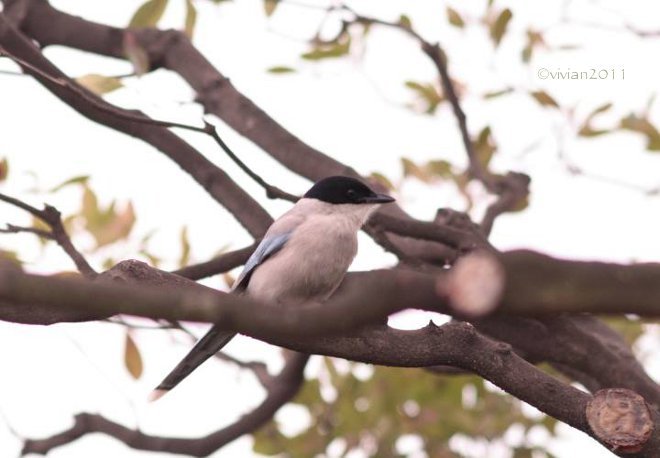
[(352, 109)]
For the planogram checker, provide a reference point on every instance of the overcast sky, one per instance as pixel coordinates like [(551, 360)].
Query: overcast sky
[(354, 110)]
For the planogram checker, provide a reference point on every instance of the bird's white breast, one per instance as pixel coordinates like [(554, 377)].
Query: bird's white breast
[(315, 258)]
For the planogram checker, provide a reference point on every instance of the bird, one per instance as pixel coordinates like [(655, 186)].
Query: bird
[(303, 257)]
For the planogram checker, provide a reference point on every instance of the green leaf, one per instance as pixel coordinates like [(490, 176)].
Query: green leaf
[(329, 51), (428, 172), (643, 126), (4, 169), (99, 84), (268, 440), (544, 99), (405, 21), (191, 19), (484, 147), (269, 7), (498, 28), (495, 94), (526, 53), (39, 224), (440, 168), (455, 18), (106, 225), (534, 39), (587, 129), (281, 69), (148, 14), (81, 179), (410, 169), (601, 109), (184, 260), (653, 144), (132, 357), (428, 93)]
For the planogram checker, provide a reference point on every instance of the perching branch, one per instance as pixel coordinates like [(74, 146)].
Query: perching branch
[(283, 387), (456, 344), (53, 218), (171, 50), (377, 293), (363, 298)]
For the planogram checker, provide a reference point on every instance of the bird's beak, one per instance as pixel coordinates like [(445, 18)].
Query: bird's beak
[(378, 199)]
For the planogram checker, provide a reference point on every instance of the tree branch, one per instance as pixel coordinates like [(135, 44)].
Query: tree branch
[(584, 344), (208, 129), (377, 293), (528, 283), (459, 344), (282, 389), (222, 263), (215, 181), (53, 218), (171, 49), (531, 278), (511, 188)]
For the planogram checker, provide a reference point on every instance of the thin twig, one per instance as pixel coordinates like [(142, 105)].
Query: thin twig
[(53, 218), (285, 386), (208, 129), (14, 229), (511, 188)]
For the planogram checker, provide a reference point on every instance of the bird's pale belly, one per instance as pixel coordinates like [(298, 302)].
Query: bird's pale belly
[(285, 280)]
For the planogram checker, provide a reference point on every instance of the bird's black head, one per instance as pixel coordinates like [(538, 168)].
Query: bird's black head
[(345, 190)]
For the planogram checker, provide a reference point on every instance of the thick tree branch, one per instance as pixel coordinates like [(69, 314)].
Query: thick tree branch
[(594, 354), (457, 238), (172, 50), (428, 347), (532, 284), (53, 218), (215, 181), (282, 388), (531, 278), (181, 299), (457, 344)]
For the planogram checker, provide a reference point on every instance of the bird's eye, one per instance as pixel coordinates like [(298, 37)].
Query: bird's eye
[(351, 194)]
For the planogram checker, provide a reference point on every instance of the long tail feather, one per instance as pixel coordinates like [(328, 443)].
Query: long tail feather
[(206, 347)]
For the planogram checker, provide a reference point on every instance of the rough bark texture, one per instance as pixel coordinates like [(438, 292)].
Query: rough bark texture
[(525, 307)]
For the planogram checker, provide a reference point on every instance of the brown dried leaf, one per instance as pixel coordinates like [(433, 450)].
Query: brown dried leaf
[(132, 357)]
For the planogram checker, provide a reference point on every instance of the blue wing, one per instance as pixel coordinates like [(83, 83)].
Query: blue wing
[(267, 248)]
